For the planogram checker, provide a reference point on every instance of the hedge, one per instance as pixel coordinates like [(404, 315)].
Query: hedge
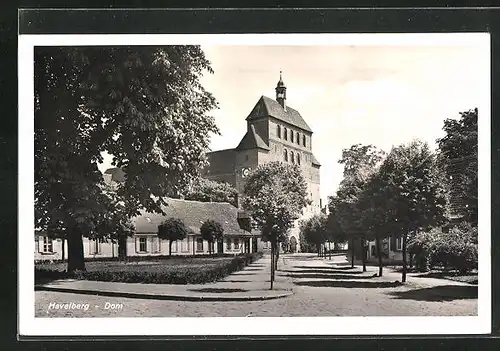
[(157, 274), (455, 248)]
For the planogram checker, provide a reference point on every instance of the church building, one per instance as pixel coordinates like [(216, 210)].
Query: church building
[(275, 132)]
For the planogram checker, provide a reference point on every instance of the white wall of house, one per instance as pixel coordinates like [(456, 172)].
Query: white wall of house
[(138, 245), (395, 253)]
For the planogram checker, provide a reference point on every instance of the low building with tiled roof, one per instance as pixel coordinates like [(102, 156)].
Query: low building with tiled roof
[(275, 132), (145, 241)]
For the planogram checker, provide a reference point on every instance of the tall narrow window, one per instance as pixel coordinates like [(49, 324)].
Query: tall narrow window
[(285, 134), (199, 245), (292, 159), (278, 131), (46, 244), (291, 136), (285, 155), (304, 140), (143, 244), (298, 138), (298, 158)]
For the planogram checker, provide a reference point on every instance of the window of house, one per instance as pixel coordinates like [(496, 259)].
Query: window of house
[(95, 247), (285, 134), (184, 245), (285, 155), (298, 158), (399, 244), (304, 140), (297, 139), (156, 244), (143, 244), (228, 244), (45, 245), (236, 244), (278, 131), (292, 158), (291, 136), (199, 244)]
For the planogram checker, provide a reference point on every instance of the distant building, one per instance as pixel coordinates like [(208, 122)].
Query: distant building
[(275, 132)]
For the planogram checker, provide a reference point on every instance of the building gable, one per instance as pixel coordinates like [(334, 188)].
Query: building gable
[(266, 107)]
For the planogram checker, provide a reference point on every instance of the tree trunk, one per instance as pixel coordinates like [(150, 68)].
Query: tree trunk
[(363, 254), (272, 264), (277, 257), (352, 253), (329, 251), (76, 260), (379, 255), (403, 278), (411, 261), (169, 248)]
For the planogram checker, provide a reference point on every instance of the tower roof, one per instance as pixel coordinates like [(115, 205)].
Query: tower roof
[(280, 84), (252, 140), (268, 107)]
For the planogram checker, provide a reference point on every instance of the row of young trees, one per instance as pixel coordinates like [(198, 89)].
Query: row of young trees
[(401, 194), (173, 229)]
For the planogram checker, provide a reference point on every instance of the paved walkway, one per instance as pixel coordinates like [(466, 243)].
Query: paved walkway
[(251, 283), (320, 288)]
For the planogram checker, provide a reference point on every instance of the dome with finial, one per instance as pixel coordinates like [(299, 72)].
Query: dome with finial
[(280, 82)]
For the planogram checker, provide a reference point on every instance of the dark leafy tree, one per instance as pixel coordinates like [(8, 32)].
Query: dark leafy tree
[(360, 162), (275, 195), (143, 105), (315, 230), (413, 189), (211, 231), (206, 190), (458, 158), (172, 229)]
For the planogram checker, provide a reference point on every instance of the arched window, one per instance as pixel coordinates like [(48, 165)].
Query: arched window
[(285, 155), (304, 140), (298, 158), (285, 134), (298, 138), (291, 156), (291, 136), (278, 131)]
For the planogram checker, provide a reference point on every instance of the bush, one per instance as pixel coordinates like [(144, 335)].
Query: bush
[(157, 274), (456, 248)]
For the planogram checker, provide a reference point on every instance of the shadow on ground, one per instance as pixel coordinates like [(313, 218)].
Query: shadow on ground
[(347, 284), (328, 276), (237, 281), (252, 270), (322, 271), (218, 290), (470, 278), (438, 293), (325, 268)]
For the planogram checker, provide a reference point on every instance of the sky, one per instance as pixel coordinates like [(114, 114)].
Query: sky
[(348, 94)]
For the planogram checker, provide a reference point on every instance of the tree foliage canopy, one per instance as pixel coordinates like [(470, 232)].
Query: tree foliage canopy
[(143, 105), (172, 229), (275, 195), (211, 231), (458, 158), (206, 190)]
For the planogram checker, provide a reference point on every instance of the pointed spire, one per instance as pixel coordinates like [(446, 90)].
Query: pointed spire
[(281, 91), (280, 82)]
